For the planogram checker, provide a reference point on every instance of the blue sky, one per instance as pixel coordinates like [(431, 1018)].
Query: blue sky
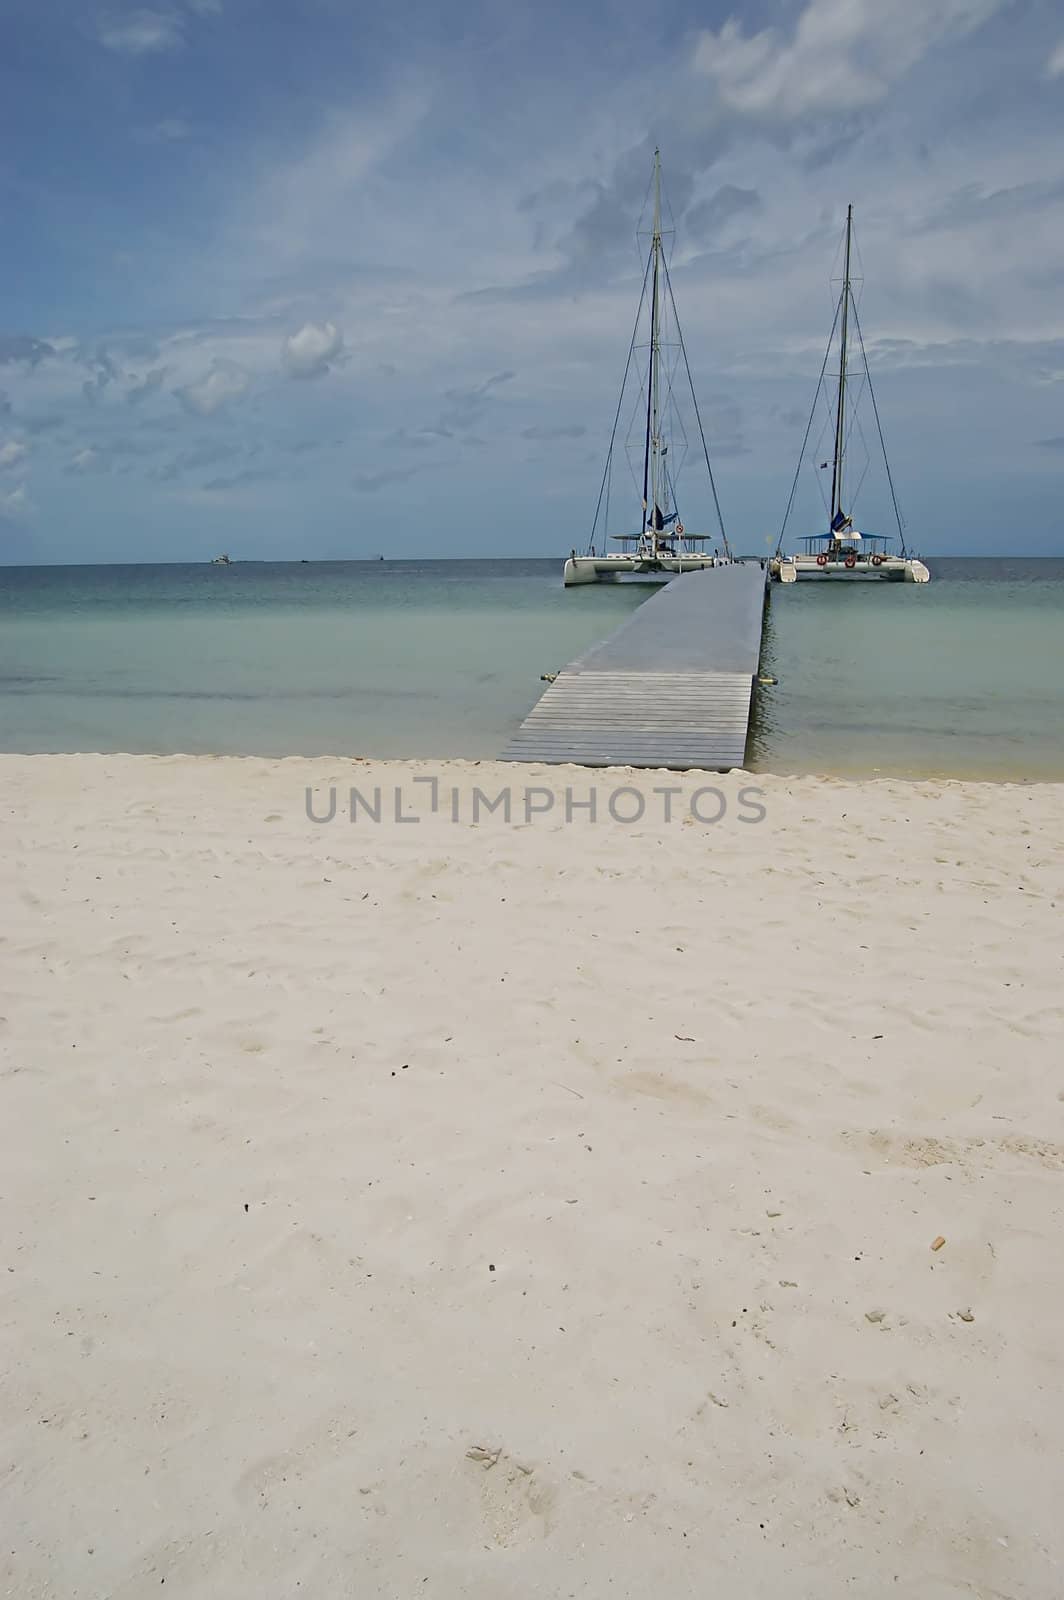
[(323, 280)]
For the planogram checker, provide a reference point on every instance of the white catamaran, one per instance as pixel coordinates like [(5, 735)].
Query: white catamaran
[(662, 547), (842, 554)]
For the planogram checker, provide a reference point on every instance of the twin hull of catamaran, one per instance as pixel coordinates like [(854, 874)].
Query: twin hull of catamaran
[(612, 568), (844, 569)]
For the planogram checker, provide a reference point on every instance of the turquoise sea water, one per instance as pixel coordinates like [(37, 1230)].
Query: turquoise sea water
[(963, 677)]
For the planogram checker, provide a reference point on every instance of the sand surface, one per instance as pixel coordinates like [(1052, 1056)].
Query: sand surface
[(427, 1209)]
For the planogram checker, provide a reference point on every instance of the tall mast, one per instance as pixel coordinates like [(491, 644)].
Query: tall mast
[(836, 477), (651, 452), (655, 350)]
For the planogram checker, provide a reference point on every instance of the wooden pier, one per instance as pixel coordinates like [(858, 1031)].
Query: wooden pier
[(671, 687)]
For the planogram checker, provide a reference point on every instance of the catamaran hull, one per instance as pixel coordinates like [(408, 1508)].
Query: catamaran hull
[(892, 569), (608, 569)]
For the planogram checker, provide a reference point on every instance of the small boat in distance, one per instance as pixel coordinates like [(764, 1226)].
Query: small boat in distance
[(662, 547), (842, 554), (221, 561)]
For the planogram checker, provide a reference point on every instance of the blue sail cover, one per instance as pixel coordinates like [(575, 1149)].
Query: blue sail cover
[(660, 520), (839, 521)]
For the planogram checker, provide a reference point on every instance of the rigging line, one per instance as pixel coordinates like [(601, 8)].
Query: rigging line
[(879, 430), (698, 418), (823, 499), (673, 428), (629, 443), (809, 424), (668, 207), (620, 402), (640, 230), (828, 421), (867, 462), (827, 424), (818, 474), (857, 277), (858, 430), (676, 508), (631, 439), (815, 463), (606, 515), (636, 485), (679, 444)]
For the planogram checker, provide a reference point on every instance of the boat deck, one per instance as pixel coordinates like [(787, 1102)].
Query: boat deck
[(671, 687)]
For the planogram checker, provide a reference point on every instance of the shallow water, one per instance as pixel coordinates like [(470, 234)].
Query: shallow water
[(963, 676), (435, 659)]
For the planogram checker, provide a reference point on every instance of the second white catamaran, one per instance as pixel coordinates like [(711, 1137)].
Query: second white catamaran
[(843, 554), (662, 547)]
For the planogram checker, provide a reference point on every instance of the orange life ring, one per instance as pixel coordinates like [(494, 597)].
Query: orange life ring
[(851, 561), (679, 527), (877, 560), (821, 560)]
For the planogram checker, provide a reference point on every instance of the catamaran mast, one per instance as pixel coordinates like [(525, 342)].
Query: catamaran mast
[(836, 477), (655, 355), (659, 506), (652, 449)]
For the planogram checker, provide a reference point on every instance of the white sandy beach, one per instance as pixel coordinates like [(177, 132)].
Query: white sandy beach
[(428, 1209)]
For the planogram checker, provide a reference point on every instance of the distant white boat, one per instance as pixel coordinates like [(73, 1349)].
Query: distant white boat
[(841, 554), (221, 561), (662, 547)]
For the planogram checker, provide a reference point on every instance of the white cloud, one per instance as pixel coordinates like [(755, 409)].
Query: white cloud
[(142, 33), (307, 354), (224, 383), (843, 55), (1055, 64), (84, 460), (12, 453), (306, 204), (15, 506)]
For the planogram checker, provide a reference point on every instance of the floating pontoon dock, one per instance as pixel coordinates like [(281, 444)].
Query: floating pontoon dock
[(671, 687)]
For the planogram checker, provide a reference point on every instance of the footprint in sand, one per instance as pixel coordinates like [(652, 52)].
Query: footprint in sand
[(661, 1086), (998, 1154), (283, 1476), (515, 1501)]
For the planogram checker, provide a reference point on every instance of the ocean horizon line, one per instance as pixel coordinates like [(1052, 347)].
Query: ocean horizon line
[(495, 560)]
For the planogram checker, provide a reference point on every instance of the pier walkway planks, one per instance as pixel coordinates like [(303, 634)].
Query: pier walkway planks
[(671, 687)]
